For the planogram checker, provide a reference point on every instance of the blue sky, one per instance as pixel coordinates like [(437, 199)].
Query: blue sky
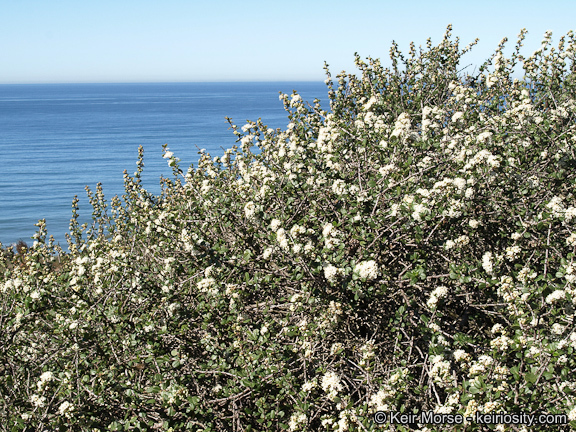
[(175, 40)]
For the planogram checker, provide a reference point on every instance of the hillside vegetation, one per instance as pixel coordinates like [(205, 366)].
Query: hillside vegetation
[(410, 249)]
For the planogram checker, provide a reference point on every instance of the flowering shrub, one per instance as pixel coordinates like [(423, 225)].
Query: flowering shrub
[(410, 250)]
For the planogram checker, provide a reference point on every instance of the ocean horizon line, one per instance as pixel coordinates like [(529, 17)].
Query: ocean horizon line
[(158, 82)]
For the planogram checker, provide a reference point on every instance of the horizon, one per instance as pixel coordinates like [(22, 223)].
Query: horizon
[(181, 41)]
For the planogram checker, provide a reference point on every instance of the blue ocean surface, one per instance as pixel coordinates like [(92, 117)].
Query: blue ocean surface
[(57, 138)]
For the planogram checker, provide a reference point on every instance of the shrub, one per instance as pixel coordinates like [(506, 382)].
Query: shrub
[(410, 250)]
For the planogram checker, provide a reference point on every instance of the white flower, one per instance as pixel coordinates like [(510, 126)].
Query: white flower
[(275, 224), (297, 230), (487, 262), (570, 213), (65, 408), (367, 269), (498, 328), (387, 169), (557, 328), (512, 252), (457, 116), (38, 401), (419, 210), (250, 210), (296, 421), (484, 136), (461, 356), (440, 371), (47, 376), (501, 342), (331, 273), (168, 155), (267, 253), (555, 296), (328, 230), (205, 284), (473, 223), (436, 295), (460, 183), (572, 414), (310, 385), (339, 187), (331, 383)]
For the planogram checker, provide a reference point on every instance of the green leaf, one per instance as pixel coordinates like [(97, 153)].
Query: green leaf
[(473, 390), (530, 377)]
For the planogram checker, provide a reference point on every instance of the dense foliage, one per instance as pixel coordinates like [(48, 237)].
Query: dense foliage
[(411, 249)]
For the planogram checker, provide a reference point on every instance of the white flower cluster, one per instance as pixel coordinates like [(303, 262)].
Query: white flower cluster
[(367, 351), (555, 296), (310, 385), (507, 290), (487, 262), (297, 421), (482, 155), (480, 366), (250, 210), (330, 236), (484, 137), (471, 408), (66, 409), (331, 384), (558, 328), (339, 187), (402, 126), (558, 208), (437, 294), (379, 401), (387, 169), (457, 116), (267, 253), (461, 356), (431, 120), (502, 342), (208, 285), (39, 401), (440, 371), (569, 214), (332, 273), (512, 252), (460, 241), (452, 402), (571, 240), (572, 414), (45, 378), (282, 239), (524, 274), (419, 210), (367, 270)]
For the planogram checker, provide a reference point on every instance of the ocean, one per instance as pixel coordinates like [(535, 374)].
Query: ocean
[(57, 138)]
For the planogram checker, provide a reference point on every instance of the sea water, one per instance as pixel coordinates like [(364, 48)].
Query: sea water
[(57, 138)]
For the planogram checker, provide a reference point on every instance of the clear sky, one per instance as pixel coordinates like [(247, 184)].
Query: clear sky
[(45, 41)]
